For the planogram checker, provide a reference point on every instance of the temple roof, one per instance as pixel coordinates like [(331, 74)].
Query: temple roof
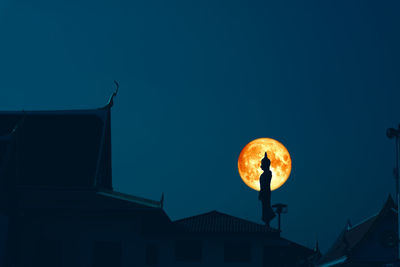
[(352, 236), (218, 222), (60, 148), (61, 160)]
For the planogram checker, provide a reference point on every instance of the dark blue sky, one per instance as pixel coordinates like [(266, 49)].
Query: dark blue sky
[(199, 80)]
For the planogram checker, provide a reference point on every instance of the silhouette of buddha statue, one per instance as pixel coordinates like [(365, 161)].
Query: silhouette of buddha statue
[(265, 191)]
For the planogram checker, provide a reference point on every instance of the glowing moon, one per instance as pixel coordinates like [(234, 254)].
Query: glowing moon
[(250, 161)]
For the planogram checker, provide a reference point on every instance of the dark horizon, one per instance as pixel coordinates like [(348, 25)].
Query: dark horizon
[(201, 80)]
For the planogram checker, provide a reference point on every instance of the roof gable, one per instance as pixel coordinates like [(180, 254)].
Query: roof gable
[(347, 240), (60, 148), (350, 240)]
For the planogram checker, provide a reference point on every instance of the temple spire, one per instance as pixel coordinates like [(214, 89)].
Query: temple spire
[(316, 247), (111, 100), (162, 200)]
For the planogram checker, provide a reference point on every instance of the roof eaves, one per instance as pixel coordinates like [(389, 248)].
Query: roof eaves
[(189, 222), (334, 262), (218, 213), (378, 216), (364, 221), (195, 216), (130, 198)]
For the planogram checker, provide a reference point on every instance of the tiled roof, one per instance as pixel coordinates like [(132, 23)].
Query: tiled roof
[(347, 240), (351, 237), (217, 222)]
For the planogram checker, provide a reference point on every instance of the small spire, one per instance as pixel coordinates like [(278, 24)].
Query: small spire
[(316, 248), (162, 200), (111, 101), (348, 225)]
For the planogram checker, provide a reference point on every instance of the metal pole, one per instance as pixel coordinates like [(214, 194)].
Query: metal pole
[(398, 197), (395, 133), (279, 222), (397, 169)]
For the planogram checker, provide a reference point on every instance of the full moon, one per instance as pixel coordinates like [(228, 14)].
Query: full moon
[(250, 161)]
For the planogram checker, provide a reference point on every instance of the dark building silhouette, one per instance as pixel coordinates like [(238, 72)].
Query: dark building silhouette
[(227, 239), (372, 242), (58, 207)]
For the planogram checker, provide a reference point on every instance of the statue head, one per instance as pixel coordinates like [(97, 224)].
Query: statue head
[(265, 162)]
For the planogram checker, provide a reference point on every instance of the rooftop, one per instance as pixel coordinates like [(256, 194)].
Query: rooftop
[(69, 148), (218, 222), (352, 236)]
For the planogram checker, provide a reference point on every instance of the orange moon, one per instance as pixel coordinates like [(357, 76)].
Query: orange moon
[(250, 161)]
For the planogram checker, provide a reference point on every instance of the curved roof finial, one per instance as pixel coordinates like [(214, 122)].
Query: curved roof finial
[(111, 101)]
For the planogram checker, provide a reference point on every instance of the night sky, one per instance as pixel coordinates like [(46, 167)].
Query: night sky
[(201, 79)]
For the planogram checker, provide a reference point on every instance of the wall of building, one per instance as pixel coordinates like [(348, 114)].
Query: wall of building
[(3, 238), (78, 235)]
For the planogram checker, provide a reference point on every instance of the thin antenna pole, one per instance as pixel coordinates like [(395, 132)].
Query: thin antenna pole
[(279, 222), (398, 196), (395, 133), (397, 170)]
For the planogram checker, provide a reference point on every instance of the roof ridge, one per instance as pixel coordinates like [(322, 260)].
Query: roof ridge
[(195, 216), (218, 212), (238, 218), (386, 207), (128, 197), (369, 222), (47, 111), (109, 104), (215, 221), (363, 221), (388, 201)]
